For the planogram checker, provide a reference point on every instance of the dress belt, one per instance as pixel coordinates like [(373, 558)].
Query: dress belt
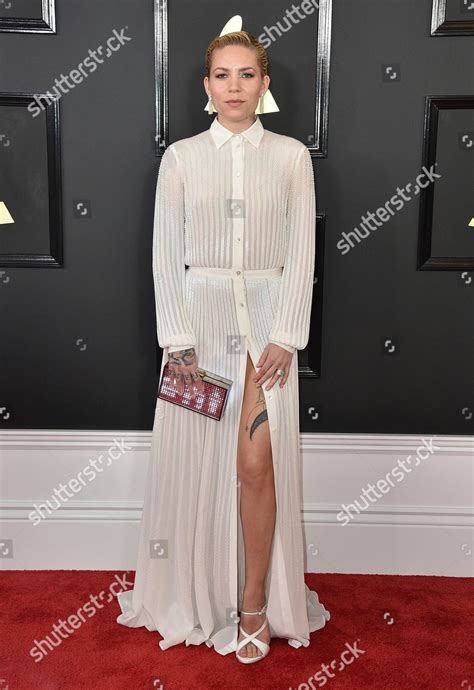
[(234, 272)]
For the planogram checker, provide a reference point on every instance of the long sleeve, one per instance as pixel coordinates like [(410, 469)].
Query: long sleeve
[(285, 347), (178, 349), (292, 320), (174, 329)]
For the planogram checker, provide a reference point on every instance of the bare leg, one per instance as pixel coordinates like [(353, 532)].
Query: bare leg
[(257, 504)]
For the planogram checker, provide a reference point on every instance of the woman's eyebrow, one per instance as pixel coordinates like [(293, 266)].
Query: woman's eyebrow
[(226, 70)]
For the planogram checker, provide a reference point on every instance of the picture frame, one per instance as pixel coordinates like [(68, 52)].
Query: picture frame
[(455, 153), (171, 18), (43, 23), (452, 18), (30, 182)]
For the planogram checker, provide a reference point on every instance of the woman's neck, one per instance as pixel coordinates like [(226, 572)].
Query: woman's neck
[(237, 127)]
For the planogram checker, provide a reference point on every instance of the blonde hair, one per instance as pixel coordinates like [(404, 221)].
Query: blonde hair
[(242, 38)]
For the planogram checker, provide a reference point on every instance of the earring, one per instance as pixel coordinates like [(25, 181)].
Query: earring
[(262, 106), (210, 105)]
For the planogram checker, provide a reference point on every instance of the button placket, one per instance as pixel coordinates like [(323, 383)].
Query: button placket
[(238, 212), (238, 223)]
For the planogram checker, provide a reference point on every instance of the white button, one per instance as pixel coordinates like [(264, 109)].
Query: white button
[(241, 304), (238, 238), (238, 174), (238, 273), (269, 397), (273, 428)]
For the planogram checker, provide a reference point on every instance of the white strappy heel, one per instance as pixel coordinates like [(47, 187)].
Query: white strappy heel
[(252, 637)]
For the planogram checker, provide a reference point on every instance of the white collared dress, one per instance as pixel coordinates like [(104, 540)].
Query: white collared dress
[(240, 212)]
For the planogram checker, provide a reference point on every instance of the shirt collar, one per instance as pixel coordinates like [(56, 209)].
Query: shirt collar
[(221, 134)]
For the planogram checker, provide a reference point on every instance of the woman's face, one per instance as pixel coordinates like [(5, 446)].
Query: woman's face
[(235, 76)]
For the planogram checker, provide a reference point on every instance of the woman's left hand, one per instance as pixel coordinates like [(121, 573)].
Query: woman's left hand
[(272, 358)]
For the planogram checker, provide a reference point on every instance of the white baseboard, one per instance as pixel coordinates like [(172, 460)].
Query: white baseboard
[(422, 525)]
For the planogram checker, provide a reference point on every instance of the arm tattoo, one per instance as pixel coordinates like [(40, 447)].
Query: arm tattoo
[(185, 357)]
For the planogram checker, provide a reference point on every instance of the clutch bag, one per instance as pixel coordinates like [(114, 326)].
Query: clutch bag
[(211, 402)]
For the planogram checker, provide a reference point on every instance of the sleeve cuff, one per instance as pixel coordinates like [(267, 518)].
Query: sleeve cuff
[(174, 348), (290, 348)]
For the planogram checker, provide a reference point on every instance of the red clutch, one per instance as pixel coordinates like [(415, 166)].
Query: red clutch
[(211, 402)]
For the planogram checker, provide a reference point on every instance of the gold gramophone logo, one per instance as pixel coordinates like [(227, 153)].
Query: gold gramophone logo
[(5, 215)]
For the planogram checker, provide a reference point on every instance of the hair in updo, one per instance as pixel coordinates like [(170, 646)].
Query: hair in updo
[(242, 38)]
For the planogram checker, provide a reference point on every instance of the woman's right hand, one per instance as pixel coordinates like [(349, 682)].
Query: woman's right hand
[(183, 364)]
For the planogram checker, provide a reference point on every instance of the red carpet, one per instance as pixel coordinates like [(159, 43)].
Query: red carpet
[(404, 632)]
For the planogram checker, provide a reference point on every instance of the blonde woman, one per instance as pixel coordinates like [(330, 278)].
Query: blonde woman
[(221, 540)]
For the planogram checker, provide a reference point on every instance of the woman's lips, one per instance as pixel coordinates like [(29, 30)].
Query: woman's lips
[(234, 103)]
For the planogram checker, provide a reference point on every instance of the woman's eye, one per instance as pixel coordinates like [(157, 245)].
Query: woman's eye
[(245, 74)]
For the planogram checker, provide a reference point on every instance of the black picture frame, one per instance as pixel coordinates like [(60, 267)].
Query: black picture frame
[(322, 49), (425, 260), (46, 24), (51, 144), (440, 26)]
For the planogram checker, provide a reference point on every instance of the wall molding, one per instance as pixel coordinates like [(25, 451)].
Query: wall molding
[(423, 527), (54, 439)]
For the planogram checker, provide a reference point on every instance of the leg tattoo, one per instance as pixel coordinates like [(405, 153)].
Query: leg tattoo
[(261, 417)]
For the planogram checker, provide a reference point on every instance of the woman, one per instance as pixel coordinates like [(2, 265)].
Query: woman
[(221, 533)]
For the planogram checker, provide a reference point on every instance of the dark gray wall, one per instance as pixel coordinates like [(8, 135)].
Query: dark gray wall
[(104, 293)]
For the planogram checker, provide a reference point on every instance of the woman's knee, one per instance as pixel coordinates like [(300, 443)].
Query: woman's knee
[(254, 469)]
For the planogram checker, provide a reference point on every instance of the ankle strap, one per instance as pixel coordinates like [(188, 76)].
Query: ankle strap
[(256, 613)]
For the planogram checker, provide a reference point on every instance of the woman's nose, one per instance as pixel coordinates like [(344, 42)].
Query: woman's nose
[(234, 84)]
